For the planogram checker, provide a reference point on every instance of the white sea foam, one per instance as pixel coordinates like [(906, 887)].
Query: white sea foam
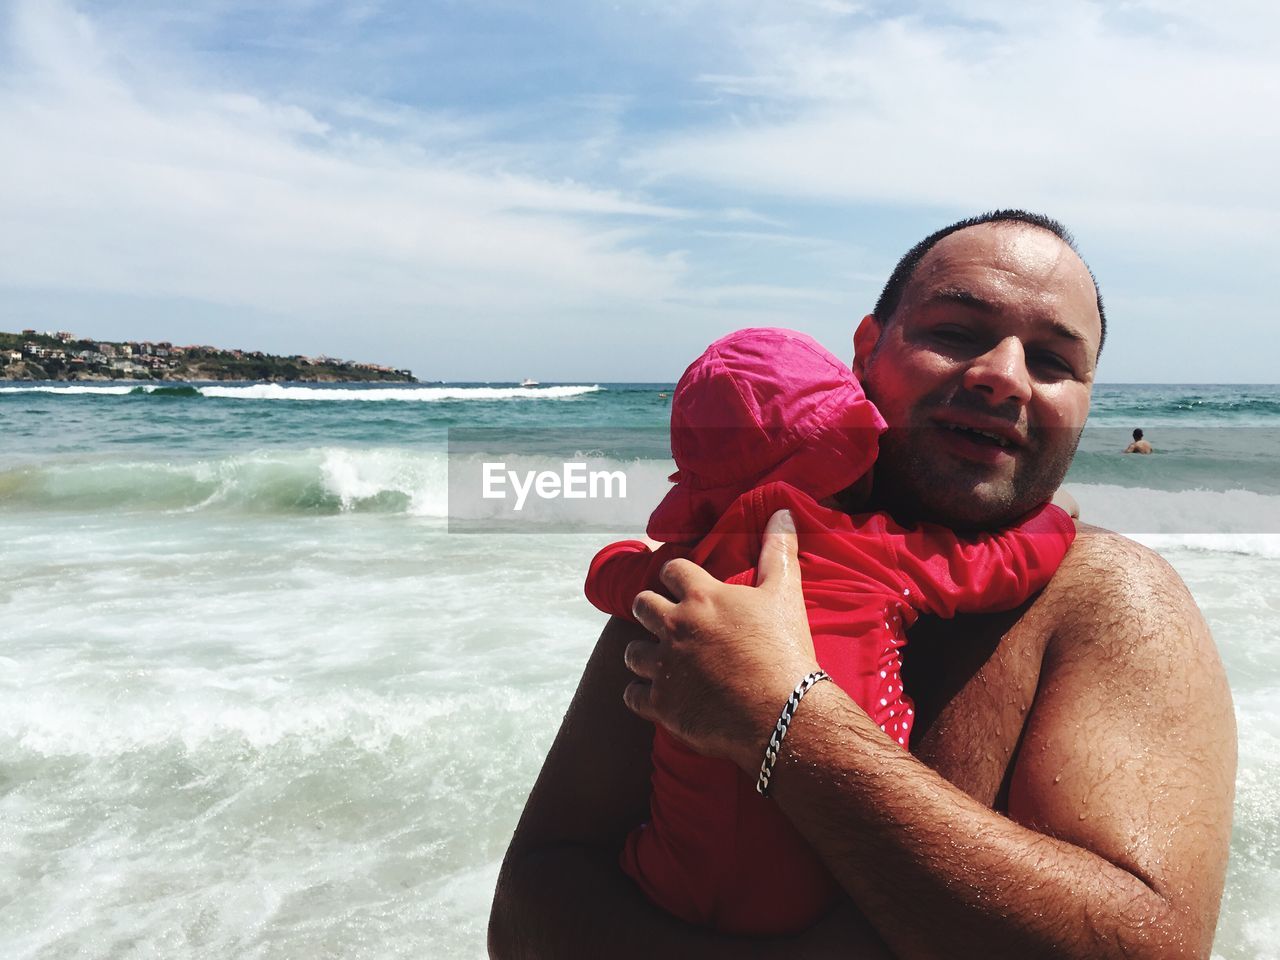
[(227, 729), (364, 476), (420, 483), (1236, 520), (276, 391), (432, 484), (324, 479), (202, 718), (230, 736), (72, 391), (245, 737), (1248, 544)]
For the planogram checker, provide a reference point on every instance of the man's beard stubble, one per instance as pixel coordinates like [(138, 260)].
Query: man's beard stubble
[(912, 484)]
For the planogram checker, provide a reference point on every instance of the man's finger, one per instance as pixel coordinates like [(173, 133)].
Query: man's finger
[(636, 697), (641, 657), (779, 551), (682, 577), (651, 610)]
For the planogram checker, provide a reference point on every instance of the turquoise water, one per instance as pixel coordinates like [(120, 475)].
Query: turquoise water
[(238, 649)]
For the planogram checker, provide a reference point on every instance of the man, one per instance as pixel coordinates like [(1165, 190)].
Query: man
[(1069, 786), (1139, 445)]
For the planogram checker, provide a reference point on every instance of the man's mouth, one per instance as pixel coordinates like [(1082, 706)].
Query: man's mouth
[(979, 436)]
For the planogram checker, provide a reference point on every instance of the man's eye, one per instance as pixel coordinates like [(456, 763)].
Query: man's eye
[(952, 335), (1053, 362)]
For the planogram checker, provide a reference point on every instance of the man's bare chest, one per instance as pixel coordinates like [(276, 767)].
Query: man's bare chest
[(974, 682)]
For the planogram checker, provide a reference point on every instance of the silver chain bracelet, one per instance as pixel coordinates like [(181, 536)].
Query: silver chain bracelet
[(780, 728)]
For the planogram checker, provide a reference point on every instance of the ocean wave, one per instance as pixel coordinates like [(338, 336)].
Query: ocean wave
[(200, 719), (1264, 545), (1237, 521), (432, 483), (1239, 407), (327, 480), (176, 391), (318, 480), (276, 391), (1185, 460), (72, 391)]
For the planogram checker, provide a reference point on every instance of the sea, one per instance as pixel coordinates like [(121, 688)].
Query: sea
[(276, 674)]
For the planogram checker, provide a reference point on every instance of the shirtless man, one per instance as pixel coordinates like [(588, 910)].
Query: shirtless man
[(1139, 445), (1069, 787)]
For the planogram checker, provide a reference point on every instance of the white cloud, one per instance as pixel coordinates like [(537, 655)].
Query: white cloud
[(754, 293), (544, 201), (126, 180), (1141, 118)]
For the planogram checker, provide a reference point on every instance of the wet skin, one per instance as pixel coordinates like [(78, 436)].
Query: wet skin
[(997, 333), (1096, 716)]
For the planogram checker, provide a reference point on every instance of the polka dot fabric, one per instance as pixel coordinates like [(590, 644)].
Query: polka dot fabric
[(715, 852)]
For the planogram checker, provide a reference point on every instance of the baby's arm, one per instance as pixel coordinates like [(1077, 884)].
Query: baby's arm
[(621, 570), (946, 573), (1067, 502)]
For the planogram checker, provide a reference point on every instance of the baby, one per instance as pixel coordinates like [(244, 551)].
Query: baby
[(767, 419)]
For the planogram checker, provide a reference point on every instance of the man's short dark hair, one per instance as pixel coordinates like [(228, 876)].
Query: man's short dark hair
[(1137, 433), (891, 295)]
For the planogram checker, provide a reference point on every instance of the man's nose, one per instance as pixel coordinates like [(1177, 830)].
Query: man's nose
[(1001, 373)]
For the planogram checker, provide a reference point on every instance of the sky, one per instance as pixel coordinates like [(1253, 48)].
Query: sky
[(585, 191)]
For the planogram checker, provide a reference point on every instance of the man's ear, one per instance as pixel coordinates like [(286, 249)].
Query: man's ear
[(865, 339)]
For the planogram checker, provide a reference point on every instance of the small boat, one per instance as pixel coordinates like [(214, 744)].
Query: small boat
[(526, 382)]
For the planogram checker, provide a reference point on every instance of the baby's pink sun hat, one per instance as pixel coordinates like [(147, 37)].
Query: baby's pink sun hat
[(760, 405)]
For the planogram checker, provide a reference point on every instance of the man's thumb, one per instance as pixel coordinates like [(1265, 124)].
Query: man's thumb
[(779, 551)]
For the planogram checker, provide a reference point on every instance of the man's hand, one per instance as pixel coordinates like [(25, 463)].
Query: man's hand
[(561, 893), (725, 658)]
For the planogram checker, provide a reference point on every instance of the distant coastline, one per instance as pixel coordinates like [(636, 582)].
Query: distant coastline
[(34, 355)]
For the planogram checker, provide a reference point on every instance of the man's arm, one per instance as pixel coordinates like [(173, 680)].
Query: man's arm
[(1120, 805), (561, 892)]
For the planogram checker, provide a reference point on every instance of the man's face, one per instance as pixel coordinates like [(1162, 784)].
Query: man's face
[(984, 374)]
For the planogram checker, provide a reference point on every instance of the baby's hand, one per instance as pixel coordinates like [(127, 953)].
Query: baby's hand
[(1067, 502)]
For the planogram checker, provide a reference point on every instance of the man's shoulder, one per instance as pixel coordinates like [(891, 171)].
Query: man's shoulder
[(1128, 750), (1118, 598), (1108, 563)]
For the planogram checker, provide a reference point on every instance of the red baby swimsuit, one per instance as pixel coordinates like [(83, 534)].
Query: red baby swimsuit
[(715, 852)]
